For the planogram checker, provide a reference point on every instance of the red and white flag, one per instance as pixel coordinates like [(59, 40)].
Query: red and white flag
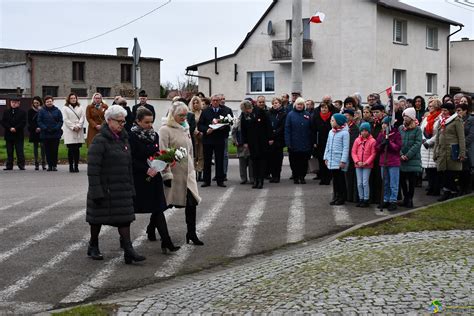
[(318, 17)]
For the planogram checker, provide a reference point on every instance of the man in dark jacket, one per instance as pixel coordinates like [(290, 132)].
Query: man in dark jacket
[(227, 110), (14, 122), (350, 174), (213, 141), (143, 97), (275, 159)]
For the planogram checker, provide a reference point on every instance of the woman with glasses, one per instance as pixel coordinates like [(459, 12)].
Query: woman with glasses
[(111, 190), (95, 116)]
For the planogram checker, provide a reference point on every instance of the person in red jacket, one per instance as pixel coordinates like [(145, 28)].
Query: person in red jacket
[(363, 155), (389, 143)]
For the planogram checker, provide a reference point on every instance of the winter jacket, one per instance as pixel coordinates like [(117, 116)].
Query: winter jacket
[(257, 132), (411, 146), (320, 130), (353, 135), (33, 125), (453, 134), (277, 119), (15, 118), (150, 195), (95, 116), (242, 152), (469, 135), (298, 135), (337, 149), (364, 150), (111, 188), (183, 175), (73, 117), (50, 120), (389, 152), (217, 136), (428, 143)]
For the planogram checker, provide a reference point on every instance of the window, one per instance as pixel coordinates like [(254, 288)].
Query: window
[(105, 92), (432, 37), (81, 92), (306, 29), (78, 70), (50, 90), (399, 31), (431, 83), (262, 81), (399, 80), (126, 72)]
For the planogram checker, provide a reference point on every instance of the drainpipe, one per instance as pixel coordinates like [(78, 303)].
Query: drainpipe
[(215, 61), (448, 59), (32, 75), (201, 77)]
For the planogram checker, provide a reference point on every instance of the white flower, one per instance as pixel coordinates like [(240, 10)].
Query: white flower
[(221, 117)]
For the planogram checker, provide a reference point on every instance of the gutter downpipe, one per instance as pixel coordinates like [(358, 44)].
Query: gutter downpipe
[(201, 77), (32, 75), (448, 58)]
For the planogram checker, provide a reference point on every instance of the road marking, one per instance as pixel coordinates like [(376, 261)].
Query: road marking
[(172, 265), (97, 281), (43, 235), (37, 213), (244, 242), (296, 218), (341, 216), (17, 203), (25, 281)]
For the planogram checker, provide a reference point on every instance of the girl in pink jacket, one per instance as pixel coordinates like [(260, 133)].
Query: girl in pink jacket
[(363, 155)]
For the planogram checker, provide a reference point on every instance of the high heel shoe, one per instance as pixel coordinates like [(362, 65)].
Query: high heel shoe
[(167, 244), (129, 254), (150, 231), (194, 238)]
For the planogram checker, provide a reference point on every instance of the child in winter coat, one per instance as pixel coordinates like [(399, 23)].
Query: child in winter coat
[(363, 155), (389, 143), (336, 156)]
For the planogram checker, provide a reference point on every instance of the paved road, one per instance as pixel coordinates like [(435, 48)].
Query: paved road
[(43, 262)]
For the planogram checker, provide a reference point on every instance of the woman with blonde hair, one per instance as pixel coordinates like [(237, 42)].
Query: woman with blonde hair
[(181, 191), (73, 124), (195, 106), (95, 116)]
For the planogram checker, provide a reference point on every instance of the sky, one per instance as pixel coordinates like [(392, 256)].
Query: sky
[(182, 33)]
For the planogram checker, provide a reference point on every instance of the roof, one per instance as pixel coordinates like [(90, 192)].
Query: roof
[(51, 53), (405, 8), (242, 45), (390, 4)]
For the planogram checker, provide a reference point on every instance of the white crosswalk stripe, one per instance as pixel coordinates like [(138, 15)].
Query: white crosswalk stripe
[(246, 236), (6, 207), (296, 218)]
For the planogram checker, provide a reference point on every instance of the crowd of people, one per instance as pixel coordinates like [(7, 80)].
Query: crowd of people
[(372, 153)]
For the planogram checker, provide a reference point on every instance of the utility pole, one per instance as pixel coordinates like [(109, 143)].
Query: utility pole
[(297, 48)]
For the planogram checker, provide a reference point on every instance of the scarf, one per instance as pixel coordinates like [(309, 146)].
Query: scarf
[(377, 121), (412, 125), (430, 119), (443, 121), (146, 135), (325, 117), (339, 128)]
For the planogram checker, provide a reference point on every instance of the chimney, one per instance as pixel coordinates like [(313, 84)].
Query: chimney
[(464, 39), (122, 51)]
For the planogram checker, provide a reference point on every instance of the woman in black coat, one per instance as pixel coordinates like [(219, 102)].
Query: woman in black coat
[(111, 190), (34, 131), (321, 124), (277, 118), (149, 192), (257, 135)]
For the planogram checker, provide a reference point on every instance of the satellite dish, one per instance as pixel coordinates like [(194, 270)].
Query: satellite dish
[(270, 28)]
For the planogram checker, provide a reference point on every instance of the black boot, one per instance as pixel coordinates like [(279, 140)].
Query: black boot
[(150, 231), (255, 183), (194, 238), (70, 157), (93, 252), (167, 244), (260, 184), (71, 168), (190, 213), (199, 176), (129, 254)]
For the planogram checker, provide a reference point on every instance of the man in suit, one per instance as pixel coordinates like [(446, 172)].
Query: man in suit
[(227, 110), (14, 122), (213, 141), (143, 97)]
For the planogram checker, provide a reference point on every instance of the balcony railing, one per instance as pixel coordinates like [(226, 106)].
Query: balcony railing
[(281, 50)]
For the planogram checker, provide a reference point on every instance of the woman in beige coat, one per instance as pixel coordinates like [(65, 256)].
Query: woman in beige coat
[(195, 106), (182, 190)]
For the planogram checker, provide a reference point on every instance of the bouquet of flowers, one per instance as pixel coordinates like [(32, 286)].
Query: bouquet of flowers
[(165, 157), (222, 121)]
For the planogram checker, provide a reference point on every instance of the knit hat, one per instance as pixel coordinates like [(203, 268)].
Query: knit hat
[(349, 111), (410, 112), (386, 120), (448, 106), (340, 119), (364, 126)]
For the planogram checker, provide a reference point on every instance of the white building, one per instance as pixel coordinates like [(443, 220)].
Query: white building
[(462, 66), (363, 46)]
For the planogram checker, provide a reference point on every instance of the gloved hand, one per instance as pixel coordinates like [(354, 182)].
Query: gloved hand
[(167, 183)]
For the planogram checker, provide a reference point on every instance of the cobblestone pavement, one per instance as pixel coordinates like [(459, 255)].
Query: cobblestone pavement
[(400, 274)]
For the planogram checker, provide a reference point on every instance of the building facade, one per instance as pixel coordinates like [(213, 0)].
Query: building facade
[(362, 46), (462, 66), (44, 73)]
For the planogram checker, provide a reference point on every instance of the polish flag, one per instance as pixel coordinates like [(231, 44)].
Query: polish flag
[(318, 17)]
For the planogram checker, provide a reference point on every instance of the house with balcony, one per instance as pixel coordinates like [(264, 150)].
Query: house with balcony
[(362, 46)]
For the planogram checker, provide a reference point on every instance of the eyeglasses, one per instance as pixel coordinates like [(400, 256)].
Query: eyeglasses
[(182, 115), (121, 122)]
